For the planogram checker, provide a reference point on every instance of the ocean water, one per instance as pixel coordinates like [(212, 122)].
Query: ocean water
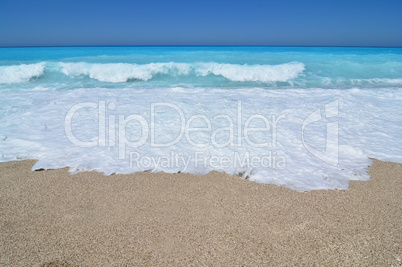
[(302, 117)]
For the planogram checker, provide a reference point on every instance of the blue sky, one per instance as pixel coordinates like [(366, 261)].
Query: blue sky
[(204, 22)]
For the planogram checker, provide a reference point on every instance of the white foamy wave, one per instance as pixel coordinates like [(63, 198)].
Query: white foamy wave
[(253, 73), (119, 131), (123, 72), (21, 73)]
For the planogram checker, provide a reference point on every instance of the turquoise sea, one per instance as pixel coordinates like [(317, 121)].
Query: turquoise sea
[(316, 114), (227, 67)]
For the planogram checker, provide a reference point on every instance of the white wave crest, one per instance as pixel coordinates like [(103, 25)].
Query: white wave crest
[(21, 73), (123, 72), (254, 73)]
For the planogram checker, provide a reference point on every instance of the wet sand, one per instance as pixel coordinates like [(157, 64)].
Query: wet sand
[(52, 218)]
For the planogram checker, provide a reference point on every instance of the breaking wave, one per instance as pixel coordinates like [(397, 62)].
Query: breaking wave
[(123, 72), (21, 73), (294, 74), (253, 73)]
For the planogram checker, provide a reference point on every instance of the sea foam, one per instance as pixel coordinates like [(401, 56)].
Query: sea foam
[(21, 73), (295, 155), (304, 118)]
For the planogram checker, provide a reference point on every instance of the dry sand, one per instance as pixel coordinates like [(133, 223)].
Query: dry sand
[(54, 218)]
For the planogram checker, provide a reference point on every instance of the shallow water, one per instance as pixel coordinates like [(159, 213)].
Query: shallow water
[(305, 118)]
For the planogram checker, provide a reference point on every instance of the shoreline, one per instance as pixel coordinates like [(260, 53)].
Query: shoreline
[(53, 217)]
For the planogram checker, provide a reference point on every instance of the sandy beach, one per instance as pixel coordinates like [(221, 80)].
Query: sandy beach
[(53, 218)]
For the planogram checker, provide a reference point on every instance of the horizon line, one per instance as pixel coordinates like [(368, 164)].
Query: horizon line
[(340, 46)]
